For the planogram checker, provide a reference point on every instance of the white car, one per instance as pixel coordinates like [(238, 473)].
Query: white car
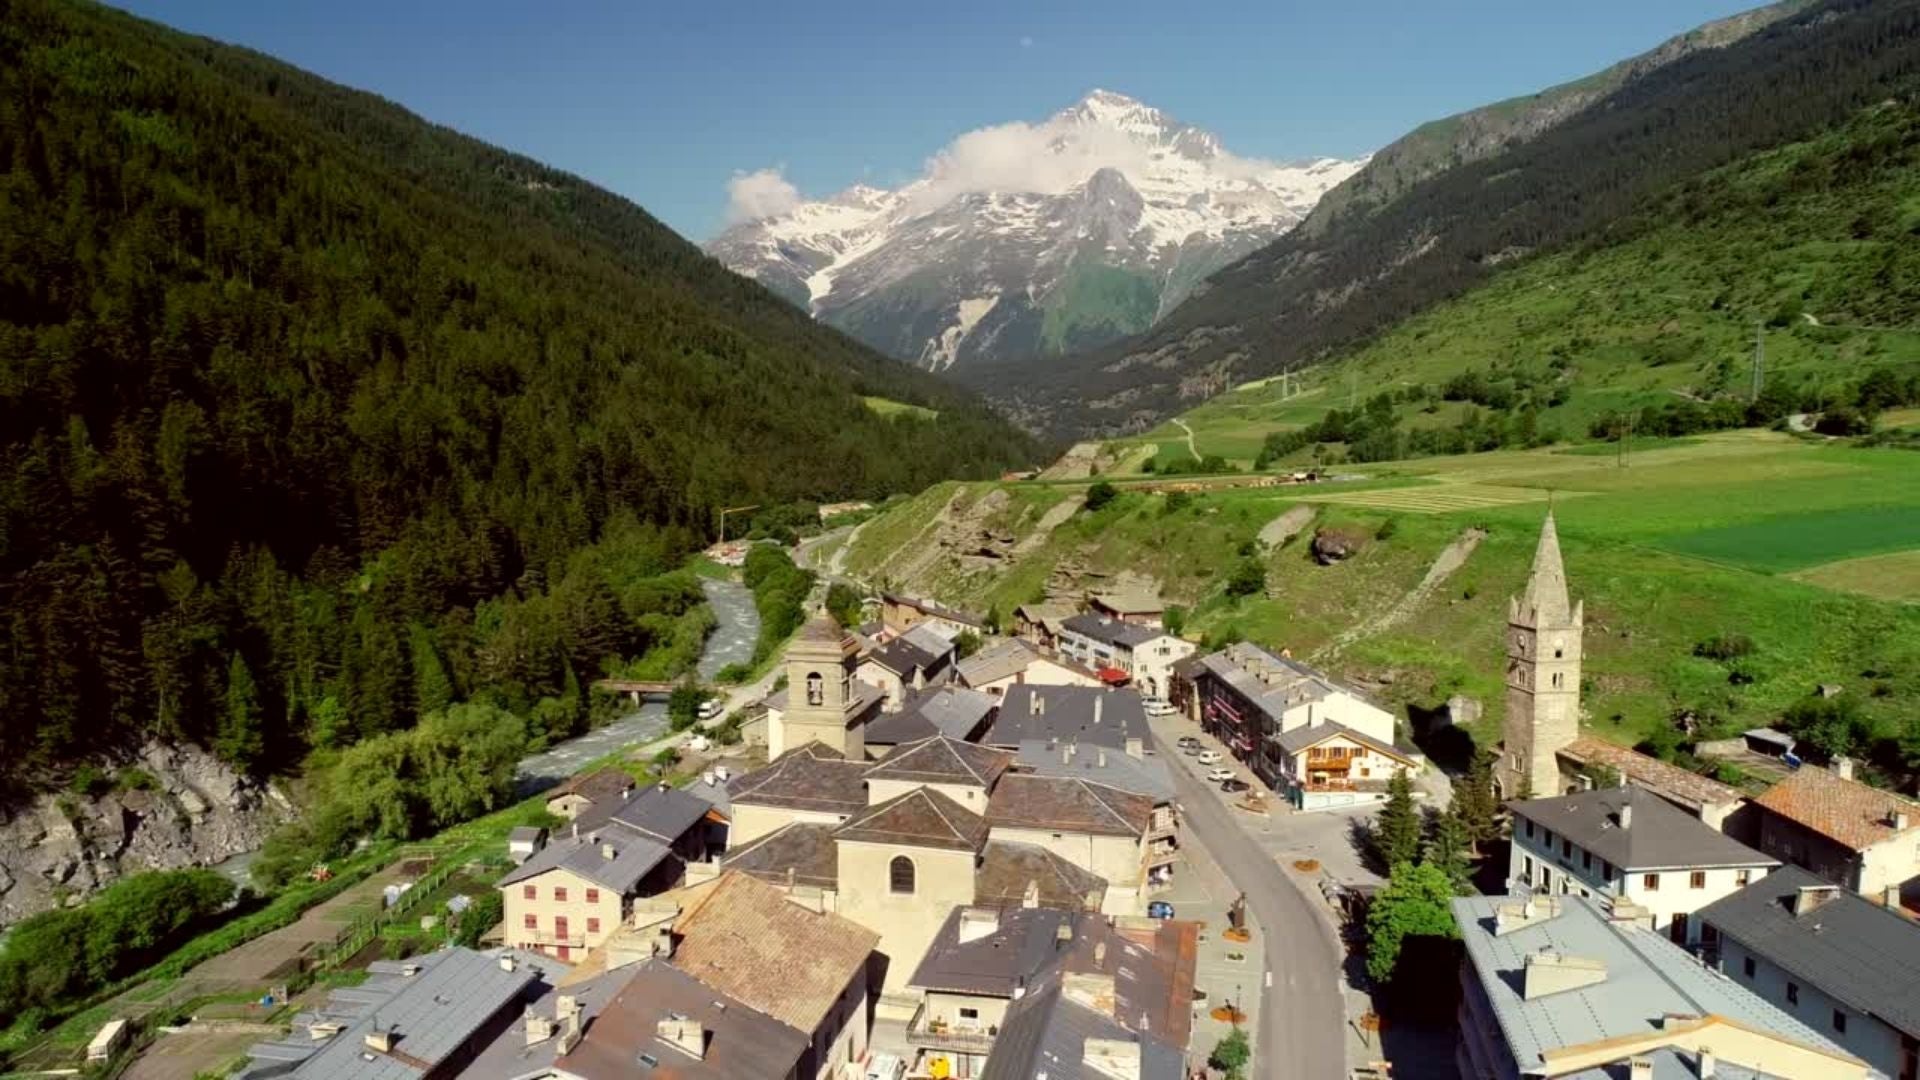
[(1158, 707), (1209, 757), (711, 708), (1218, 775)]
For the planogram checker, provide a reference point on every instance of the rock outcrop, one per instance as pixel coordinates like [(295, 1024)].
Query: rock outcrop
[(174, 807)]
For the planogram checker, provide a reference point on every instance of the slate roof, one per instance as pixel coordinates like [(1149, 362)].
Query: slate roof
[(1310, 735), (1067, 805), (1145, 775), (596, 786), (934, 607), (941, 760), (508, 1057), (902, 657), (1672, 781), (1855, 950), (809, 777), (953, 711), (1088, 715), (742, 1043), (1130, 603), (1288, 683), (1045, 1034), (1123, 635), (1845, 811), (1007, 868), (1001, 660), (805, 847), (450, 997), (1660, 836), (743, 937), (1647, 976), (922, 817), (658, 811), (634, 857), (822, 627)]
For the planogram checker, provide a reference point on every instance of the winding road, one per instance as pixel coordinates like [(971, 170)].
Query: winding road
[(1301, 1029)]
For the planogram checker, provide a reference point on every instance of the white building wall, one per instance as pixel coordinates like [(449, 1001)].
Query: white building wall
[(1867, 1037), (1582, 874)]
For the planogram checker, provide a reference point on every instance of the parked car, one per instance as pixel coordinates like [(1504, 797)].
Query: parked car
[(1209, 757), (1159, 909), (1220, 774), (1158, 706), (1234, 786), (711, 708), (1185, 741), (1190, 749)]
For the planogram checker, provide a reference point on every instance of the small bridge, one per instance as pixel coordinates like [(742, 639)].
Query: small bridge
[(634, 688)]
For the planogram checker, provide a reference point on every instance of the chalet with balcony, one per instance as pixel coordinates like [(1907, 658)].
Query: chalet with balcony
[(1249, 698)]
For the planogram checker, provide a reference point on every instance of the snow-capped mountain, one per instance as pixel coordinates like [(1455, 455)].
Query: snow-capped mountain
[(1030, 238)]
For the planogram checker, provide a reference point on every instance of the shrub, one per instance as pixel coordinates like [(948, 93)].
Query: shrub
[(1100, 494), (1724, 647), (1249, 577)]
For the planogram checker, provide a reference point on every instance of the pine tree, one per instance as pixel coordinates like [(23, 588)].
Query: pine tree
[(1396, 830), (240, 740), (1475, 804), (1446, 850), (432, 688)]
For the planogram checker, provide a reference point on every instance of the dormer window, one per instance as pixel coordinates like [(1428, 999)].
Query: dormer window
[(816, 688)]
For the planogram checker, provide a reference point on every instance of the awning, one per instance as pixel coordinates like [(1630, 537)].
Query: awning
[(1113, 676)]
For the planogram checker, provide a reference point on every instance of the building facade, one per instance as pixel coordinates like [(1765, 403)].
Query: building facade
[(1252, 700), (1544, 639), (1858, 837), (824, 703), (1145, 653)]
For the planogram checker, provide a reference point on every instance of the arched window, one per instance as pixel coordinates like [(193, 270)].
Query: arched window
[(900, 875), (816, 688)]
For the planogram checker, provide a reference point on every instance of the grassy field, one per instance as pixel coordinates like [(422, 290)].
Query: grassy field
[(891, 408), (1728, 533)]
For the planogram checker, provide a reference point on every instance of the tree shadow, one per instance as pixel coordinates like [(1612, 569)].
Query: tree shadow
[(1361, 836)]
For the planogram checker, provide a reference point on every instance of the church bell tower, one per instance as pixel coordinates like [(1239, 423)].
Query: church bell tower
[(1543, 675)]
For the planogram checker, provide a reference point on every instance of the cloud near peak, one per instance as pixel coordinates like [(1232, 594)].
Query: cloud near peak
[(762, 193)]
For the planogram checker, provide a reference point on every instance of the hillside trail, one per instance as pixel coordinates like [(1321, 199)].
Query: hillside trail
[(837, 562), (1451, 558), (1192, 449), (1288, 525), (1055, 517), (924, 545)]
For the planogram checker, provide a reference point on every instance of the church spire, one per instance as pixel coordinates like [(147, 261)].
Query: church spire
[(1546, 596)]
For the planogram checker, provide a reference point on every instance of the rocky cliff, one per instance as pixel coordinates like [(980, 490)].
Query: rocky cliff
[(171, 807)]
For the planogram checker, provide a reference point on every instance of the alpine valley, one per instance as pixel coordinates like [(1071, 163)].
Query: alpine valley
[(1030, 240)]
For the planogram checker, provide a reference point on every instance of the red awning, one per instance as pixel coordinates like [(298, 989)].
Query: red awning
[(1113, 676)]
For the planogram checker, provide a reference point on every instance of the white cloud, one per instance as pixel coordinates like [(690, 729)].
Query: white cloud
[(762, 193)]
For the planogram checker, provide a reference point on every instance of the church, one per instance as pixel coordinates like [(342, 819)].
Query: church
[(1542, 751)]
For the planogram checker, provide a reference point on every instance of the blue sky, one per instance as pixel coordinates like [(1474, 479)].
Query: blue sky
[(663, 102)]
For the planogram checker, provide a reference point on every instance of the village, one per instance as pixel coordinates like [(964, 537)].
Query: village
[(1089, 848)]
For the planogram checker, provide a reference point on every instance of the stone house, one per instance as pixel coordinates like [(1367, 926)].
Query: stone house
[(1858, 837)]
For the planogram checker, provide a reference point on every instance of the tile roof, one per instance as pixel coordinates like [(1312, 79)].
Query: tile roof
[(1659, 835), (1145, 775), (450, 996), (922, 817), (809, 777), (1001, 660), (595, 786), (743, 937), (804, 848), (1853, 949), (1007, 869), (634, 857), (953, 711), (1067, 805), (508, 1056), (742, 1043), (1309, 735), (941, 760), (1647, 977), (1090, 715), (1124, 635), (1845, 811), (1681, 785)]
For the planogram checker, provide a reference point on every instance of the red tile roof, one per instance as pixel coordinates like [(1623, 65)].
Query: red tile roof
[(1846, 811)]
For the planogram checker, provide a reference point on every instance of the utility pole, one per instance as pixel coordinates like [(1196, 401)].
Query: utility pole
[(1759, 356)]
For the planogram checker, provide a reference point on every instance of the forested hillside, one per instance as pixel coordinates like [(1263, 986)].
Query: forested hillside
[(315, 416), (1311, 293)]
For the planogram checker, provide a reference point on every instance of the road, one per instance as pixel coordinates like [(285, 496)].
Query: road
[(731, 642), (1301, 1029)]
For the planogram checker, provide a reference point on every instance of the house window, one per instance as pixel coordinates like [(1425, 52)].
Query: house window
[(531, 922), (529, 892), (1793, 993), (1566, 849), (1650, 882), (1529, 830), (900, 875), (593, 896), (1586, 860), (1839, 1022), (1747, 967), (593, 925), (1741, 877), (969, 1014), (1527, 862), (1697, 880), (559, 894), (816, 688), (1546, 837), (1606, 870)]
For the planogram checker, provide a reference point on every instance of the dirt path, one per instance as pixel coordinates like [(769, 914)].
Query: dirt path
[(1055, 517), (1075, 464), (1191, 448), (1287, 525), (1451, 558)]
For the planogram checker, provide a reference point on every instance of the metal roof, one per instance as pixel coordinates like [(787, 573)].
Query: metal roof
[(1125, 635), (633, 857), (1855, 950), (1045, 1035), (953, 711), (1657, 836), (1647, 977), (1146, 775), (508, 1056), (1091, 715)]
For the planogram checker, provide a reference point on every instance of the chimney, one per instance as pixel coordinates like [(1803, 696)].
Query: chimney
[(1102, 758), (1039, 705), (607, 852), (1843, 768), (507, 963), (1118, 1059), (569, 1028), (1136, 748), (576, 830), (1812, 897), (1583, 782), (1031, 898), (1709, 1065), (1626, 814), (1100, 953), (1066, 754), (1900, 819), (1890, 897), (539, 1028), (1063, 937), (1548, 972), (663, 941), (380, 1040), (684, 1034), (624, 792), (1520, 914), (1640, 1068), (976, 923)]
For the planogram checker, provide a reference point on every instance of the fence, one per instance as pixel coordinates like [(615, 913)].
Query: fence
[(362, 931)]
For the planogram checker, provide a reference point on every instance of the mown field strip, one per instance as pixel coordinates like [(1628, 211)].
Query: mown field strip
[(1436, 499)]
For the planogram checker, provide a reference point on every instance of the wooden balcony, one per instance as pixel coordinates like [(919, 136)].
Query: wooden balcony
[(933, 1035)]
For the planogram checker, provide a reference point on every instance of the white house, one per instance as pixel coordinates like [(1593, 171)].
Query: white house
[(1145, 653), (1629, 844)]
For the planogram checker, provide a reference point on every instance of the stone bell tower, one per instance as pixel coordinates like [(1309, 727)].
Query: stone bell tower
[(822, 703), (1543, 675)]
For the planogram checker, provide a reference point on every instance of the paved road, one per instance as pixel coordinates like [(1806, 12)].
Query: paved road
[(1301, 1031), (731, 642)]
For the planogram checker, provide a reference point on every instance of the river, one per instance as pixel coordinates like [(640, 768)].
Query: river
[(731, 642)]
